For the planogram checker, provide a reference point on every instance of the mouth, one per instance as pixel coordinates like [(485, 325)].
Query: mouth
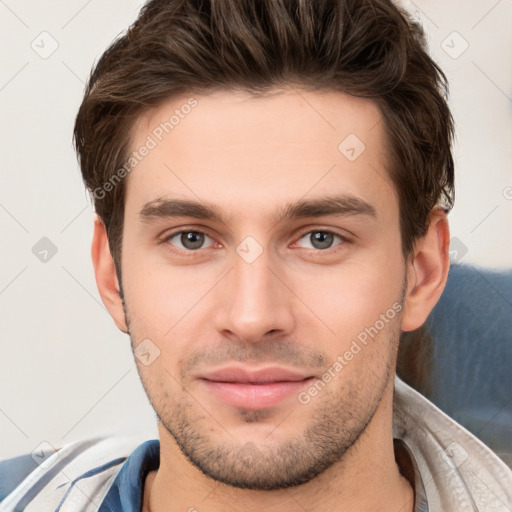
[(246, 388)]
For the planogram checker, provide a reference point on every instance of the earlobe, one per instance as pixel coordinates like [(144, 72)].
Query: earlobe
[(427, 272), (106, 275)]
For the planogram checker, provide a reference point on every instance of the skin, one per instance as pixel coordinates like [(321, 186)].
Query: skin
[(298, 305)]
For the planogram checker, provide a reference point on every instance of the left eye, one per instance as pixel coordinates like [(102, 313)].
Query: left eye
[(321, 239)]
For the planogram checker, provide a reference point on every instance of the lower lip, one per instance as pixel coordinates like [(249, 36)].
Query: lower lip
[(255, 396)]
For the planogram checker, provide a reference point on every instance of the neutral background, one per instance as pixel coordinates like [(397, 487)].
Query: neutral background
[(66, 372)]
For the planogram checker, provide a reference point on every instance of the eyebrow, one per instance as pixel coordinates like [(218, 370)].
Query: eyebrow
[(341, 205)]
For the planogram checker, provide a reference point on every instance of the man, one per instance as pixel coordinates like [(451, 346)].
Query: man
[(271, 181)]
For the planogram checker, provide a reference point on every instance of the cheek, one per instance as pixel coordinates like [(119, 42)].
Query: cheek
[(163, 304), (161, 296), (349, 298)]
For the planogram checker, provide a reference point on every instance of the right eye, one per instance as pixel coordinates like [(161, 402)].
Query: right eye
[(190, 240)]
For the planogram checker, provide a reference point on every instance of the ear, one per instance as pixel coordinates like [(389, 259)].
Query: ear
[(106, 276), (427, 271)]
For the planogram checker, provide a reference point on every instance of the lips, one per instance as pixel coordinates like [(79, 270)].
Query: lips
[(247, 388), (256, 376)]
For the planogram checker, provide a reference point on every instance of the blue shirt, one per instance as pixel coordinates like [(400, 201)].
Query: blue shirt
[(126, 493)]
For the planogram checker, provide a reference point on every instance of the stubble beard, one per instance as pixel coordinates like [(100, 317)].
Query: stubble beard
[(337, 422)]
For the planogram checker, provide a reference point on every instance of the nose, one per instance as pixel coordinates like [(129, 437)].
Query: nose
[(254, 302)]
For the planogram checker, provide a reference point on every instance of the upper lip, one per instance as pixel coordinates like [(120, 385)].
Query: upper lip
[(265, 375)]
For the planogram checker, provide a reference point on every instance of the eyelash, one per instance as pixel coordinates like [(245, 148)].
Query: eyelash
[(183, 252)]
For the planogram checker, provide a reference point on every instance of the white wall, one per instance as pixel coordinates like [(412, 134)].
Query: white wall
[(481, 102), (66, 372)]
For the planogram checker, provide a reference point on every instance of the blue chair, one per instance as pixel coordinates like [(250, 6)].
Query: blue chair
[(461, 359)]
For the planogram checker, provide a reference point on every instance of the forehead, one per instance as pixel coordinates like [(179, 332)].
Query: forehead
[(235, 147), (280, 118)]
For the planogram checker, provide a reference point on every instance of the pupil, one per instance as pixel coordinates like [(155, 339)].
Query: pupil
[(192, 240), (324, 240)]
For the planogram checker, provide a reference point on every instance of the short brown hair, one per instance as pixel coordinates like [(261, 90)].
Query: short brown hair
[(367, 48)]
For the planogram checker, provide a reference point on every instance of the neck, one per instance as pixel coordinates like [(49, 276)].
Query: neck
[(367, 478)]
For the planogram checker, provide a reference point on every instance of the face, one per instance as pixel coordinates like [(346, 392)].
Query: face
[(263, 278)]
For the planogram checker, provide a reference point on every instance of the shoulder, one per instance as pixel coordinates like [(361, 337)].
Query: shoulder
[(47, 477), (459, 472)]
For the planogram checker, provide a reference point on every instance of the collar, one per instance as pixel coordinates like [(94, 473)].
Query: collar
[(126, 492)]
